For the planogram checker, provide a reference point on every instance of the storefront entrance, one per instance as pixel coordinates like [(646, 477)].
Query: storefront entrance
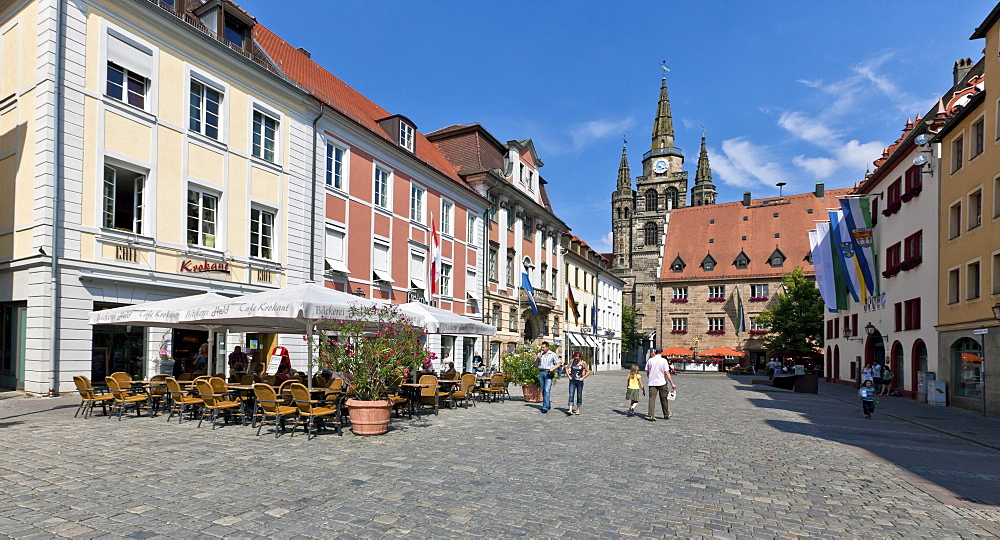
[(13, 322), (117, 348)]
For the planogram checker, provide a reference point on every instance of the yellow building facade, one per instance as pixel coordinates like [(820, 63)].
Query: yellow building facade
[(969, 264), (146, 152)]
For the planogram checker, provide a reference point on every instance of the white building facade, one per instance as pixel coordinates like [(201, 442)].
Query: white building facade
[(593, 306)]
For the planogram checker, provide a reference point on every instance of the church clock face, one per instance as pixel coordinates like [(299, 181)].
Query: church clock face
[(660, 166)]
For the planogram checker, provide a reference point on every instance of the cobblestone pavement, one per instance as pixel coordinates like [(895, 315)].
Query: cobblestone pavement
[(734, 461)]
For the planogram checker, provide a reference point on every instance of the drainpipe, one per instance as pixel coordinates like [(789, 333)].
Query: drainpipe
[(312, 200), (57, 141), (486, 259)]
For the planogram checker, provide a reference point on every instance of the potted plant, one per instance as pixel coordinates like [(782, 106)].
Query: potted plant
[(519, 368), (375, 348)]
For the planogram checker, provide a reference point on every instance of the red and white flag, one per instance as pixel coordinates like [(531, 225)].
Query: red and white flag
[(434, 264)]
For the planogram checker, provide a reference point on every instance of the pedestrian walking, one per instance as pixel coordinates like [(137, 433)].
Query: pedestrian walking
[(867, 393), (548, 363), (877, 377), (576, 371), (886, 381), (866, 374), (658, 375), (632, 388)]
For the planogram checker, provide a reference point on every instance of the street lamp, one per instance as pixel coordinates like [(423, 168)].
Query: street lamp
[(870, 329), (996, 311)]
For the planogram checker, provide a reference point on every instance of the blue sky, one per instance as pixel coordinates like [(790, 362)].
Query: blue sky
[(787, 91)]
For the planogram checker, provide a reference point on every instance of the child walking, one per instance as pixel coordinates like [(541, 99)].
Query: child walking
[(632, 389), (867, 393)]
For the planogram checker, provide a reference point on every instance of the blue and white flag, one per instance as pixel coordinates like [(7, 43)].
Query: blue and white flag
[(593, 318), (844, 249), (529, 291), (822, 260), (857, 217)]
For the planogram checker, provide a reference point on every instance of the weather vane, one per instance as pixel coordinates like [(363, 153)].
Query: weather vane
[(663, 65)]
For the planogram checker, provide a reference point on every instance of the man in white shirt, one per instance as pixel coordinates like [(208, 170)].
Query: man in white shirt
[(658, 373), (548, 364)]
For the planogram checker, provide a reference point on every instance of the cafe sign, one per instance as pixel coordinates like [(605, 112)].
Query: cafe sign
[(194, 266)]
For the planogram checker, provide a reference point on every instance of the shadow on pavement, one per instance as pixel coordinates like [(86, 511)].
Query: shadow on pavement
[(969, 471)]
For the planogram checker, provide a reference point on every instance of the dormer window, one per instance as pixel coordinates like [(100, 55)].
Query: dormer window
[(678, 265), (742, 261), (235, 31), (777, 258), (708, 263), (406, 136)]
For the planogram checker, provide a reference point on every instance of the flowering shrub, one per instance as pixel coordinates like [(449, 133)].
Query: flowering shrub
[(377, 349), (716, 299), (678, 331), (758, 298), (716, 332), (678, 299), (892, 208), (519, 364)]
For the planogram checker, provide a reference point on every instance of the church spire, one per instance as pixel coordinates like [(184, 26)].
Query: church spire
[(663, 126), (624, 176), (703, 191)]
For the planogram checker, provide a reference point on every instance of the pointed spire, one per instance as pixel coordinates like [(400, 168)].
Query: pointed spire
[(663, 126), (624, 176), (704, 190)]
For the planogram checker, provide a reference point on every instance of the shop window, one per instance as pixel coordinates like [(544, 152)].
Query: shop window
[(967, 368)]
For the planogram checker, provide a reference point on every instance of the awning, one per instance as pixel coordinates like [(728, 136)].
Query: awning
[(582, 340)]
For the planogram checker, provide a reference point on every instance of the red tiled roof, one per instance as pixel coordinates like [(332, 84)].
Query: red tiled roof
[(691, 229), (337, 94)]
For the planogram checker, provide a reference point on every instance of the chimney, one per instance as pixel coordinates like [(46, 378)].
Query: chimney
[(820, 190), (305, 52), (961, 69), (746, 199)]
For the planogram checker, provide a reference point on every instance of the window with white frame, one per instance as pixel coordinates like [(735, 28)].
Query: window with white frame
[(492, 266), (716, 324), (493, 208), (123, 199), (129, 68), (265, 136), (380, 263), (335, 165), (417, 204), (511, 219), (126, 86), (972, 278), (204, 109), (680, 293), (678, 324), (716, 291), (758, 291), (447, 216), (335, 258), (446, 280), (510, 271), (261, 233), (756, 325), (527, 232), (975, 209), (470, 229), (496, 317), (202, 216), (418, 272), (531, 180), (406, 136), (382, 187), (543, 277), (512, 320)]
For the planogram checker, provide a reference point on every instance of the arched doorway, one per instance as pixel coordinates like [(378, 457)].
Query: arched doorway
[(829, 362), (529, 331), (836, 362), (875, 349), (896, 365), (918, 362)]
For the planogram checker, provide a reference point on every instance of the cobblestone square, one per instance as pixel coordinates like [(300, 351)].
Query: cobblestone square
[(735, 461)]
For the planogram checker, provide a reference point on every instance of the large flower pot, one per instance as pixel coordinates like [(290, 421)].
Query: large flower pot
[(532, 393), (369, 417)]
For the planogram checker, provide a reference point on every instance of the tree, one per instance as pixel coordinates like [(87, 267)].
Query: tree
[(630, 338), (795, 323)]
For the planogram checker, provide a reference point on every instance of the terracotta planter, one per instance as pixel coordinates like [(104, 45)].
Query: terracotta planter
[(369, 417), (532, 393)]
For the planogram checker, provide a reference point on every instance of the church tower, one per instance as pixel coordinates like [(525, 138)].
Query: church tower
[(703, 191), (640, 217), (622, 208)]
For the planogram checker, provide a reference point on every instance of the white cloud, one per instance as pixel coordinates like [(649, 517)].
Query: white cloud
[(584, 134), (743, 164), (859, 155), (819, 167), (603, 244), (807, 129)]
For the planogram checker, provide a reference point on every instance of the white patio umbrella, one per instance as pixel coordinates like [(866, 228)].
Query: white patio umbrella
[(161, 313), (292, 310), (442, 321)]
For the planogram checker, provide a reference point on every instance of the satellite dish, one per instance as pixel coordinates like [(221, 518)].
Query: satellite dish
[(922, 139), (920, 161)]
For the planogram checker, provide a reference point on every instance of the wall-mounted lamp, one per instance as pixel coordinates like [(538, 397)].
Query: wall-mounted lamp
[(996, 311), (358, 292)]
